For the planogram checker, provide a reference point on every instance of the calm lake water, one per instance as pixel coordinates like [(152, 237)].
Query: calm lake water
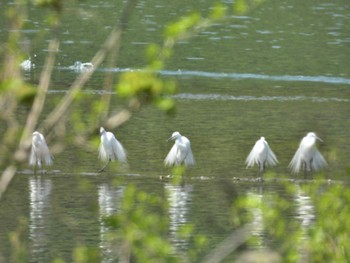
[(279, 72)]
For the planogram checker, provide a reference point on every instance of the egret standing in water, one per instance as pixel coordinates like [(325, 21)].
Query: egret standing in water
[(180, 152), (307, 157), (110, 148), (40, 151), (262, 155)]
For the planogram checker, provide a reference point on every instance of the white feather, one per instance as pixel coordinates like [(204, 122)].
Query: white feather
[(40, 151), (307, 156), (262, 155), (110, 148), (181, 151)]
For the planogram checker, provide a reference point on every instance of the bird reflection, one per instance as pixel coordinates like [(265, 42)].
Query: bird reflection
[(305, 210), (179, 197), (109, 203), (258, 221), (39, 197)]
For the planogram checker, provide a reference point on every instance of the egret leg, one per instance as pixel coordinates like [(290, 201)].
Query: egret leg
[(311, 164), (104, 167), (261, 169), (304, 164)]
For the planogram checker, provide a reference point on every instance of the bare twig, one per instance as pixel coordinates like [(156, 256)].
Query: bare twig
[(230, 244), (37, 107), (112, 43)]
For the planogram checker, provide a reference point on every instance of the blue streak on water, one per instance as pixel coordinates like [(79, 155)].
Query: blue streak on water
[(220, 97), (189, 96), (323, 79), (218, 75)]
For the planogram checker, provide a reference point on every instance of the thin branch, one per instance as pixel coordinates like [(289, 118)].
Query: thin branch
[(6, 178), (40, 97), (37, 107), (112, 41), (230, 244)]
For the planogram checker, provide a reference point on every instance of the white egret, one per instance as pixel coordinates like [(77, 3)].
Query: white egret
[(110, 148), (40, 151), (180, 152), (262, 155), (82, 67), (27, 64), (307, 157)]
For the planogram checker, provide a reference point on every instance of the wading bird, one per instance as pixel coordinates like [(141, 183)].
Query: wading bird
[(80, 67), (40, 152), (307, 157), (110, 148), (262, 155), (180, 152)]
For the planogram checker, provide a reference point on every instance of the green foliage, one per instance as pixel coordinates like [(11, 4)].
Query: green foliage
[(84, 254), (19, 248), (276, 209), (329, 236), (243, 6), (325, 240), (183, 25), (56, 5), (142, 225), (146, 87)]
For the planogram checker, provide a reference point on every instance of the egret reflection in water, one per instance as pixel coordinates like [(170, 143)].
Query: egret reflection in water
[(305, 209), (179, 198), (39, 203), (258, 221), (109, 199)]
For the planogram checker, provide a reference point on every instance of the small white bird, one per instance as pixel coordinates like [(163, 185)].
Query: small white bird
[(80, 67), (180, 152), (110, 148), (262, 155), (307, 157), (27, 64), (40, 151)]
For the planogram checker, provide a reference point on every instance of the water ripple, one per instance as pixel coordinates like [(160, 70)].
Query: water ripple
[(219, 75), (323, 79), (190, 96)]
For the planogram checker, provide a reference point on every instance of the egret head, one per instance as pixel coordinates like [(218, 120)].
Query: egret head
[(174, 136), (313, 135), (102, 130), (36, 136)]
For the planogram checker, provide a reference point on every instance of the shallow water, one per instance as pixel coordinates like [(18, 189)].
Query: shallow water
[(278, 72)]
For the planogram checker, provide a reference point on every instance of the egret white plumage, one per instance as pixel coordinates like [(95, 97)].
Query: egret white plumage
[(180, 152), (262, 155), (307, 157), (110, 148), (81, 67), (27, 64), (40, 151)]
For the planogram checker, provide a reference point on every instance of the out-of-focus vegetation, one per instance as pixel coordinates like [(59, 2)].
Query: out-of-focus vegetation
[(139, 230)]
